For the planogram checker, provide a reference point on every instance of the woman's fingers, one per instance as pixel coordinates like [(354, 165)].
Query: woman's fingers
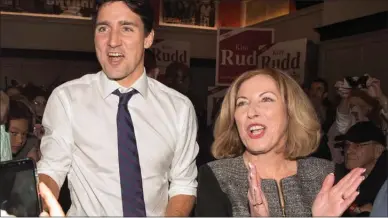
[(352, 188), (348, 179), (348, 201), (328, 183)]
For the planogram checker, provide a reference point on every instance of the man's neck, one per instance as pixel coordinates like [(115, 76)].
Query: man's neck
[(130, 79)]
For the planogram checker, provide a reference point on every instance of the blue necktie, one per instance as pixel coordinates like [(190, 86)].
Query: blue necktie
[(129, 166)]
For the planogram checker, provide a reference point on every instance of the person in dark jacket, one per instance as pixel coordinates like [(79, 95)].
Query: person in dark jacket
[(364, 147)]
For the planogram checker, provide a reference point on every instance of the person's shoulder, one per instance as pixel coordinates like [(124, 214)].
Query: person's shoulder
[(227, 166), (77, 86), (312, 167), (79, 83), (163, 91)]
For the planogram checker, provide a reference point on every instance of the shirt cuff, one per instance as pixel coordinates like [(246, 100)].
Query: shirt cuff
[(174, 191), (52, 174)]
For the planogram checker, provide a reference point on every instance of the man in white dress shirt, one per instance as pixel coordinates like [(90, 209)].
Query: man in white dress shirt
[(81, 135)]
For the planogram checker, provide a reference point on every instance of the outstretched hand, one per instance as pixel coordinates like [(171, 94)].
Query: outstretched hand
[(334, 200)]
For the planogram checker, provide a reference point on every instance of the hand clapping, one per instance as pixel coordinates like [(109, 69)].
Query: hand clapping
[(257, 202), (334, 200)]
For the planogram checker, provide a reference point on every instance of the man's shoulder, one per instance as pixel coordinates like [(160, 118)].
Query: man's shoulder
[(163, 91), (80, 84)]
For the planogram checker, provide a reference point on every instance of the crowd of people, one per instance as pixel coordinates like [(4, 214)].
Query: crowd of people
[(22, 112), (124, 144)]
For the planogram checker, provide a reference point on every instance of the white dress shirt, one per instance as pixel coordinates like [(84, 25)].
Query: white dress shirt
[(81, 142)]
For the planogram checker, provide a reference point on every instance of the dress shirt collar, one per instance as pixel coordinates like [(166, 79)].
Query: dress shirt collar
[(107, 86)]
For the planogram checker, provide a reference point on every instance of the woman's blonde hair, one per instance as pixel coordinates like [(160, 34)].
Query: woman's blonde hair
[(303, 130)]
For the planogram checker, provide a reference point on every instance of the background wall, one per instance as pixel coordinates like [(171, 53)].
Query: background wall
[(346, 56), (355, 56), (340, 10)]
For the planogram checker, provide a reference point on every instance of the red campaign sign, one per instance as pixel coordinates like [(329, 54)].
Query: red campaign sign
[(238, 50)]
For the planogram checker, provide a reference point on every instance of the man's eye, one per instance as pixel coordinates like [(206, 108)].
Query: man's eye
[(127, 29), (101, 29)]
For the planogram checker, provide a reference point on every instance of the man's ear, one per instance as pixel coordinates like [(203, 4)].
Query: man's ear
[(149, 39), (379, 149)]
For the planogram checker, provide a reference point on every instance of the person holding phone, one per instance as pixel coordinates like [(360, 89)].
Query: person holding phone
[(361, 100), (126, 142)]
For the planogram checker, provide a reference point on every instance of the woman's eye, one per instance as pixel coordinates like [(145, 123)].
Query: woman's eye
[(241, 103), (267, 99)]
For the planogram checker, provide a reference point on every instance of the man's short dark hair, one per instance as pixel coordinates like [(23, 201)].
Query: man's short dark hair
[(173, 68), (142, 8), (18, 110), (323, 82)]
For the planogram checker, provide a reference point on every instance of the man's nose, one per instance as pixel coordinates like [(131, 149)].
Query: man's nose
[(114, 39)]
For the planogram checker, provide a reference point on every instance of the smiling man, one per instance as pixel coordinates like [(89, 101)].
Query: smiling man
[(126, 142)]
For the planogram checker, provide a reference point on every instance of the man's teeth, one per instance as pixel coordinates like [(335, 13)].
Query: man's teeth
[(115, 54)]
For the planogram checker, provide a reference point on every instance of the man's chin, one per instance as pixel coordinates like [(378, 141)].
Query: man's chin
[(116, 76)]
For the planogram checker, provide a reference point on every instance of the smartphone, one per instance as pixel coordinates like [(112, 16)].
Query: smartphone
[(19, 188), (357, 82)]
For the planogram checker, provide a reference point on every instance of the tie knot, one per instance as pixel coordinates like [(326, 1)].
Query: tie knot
[(125, 97)]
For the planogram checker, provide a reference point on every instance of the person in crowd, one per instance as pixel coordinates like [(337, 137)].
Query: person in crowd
[(13, 90), (361, 104), (365, 147), (380, 204), (318, 94), (126, 142), (150, 65), (37, 97), (19, 127), (266, 129), (24, 100), (178, 77), (5, 144)]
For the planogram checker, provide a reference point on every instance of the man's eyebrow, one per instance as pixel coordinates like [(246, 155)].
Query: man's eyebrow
[(102, 23), (128, 23)]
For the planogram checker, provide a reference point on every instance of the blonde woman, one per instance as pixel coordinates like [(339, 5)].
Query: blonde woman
[(263, 135)]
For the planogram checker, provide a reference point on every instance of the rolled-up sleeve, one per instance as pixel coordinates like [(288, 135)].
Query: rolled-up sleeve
[(183, 172), (56, 144)]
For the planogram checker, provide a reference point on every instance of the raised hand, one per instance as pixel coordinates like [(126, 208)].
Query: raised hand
[(373, 88), (257, 202), (334, 200), (342, 89)]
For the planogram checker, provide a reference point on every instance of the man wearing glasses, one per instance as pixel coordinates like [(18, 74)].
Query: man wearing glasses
[(365, 146)]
